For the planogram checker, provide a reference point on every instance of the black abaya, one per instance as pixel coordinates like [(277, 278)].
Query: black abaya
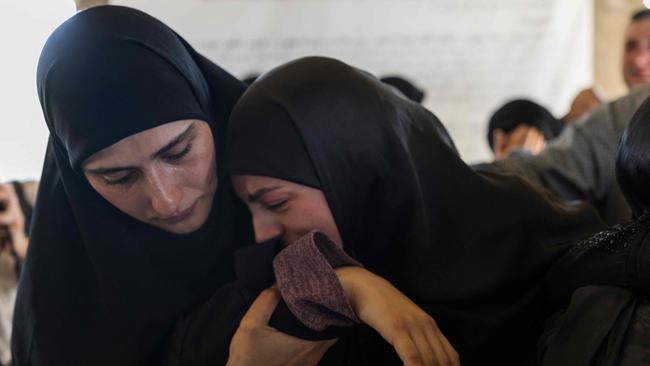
[(99, 287)]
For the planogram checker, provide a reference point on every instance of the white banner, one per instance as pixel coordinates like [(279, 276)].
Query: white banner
[(469, 56)]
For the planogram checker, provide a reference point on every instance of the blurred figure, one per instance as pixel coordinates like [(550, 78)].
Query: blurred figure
[(521, 127), (16, 202), (636, 55), (405, 87), (636, 66)]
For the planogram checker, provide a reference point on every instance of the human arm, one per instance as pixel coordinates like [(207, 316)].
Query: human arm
[(584, 102), (323, 286), (256, 343), (414, 333)]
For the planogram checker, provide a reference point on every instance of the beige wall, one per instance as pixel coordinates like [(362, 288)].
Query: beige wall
[(84, 4), (610, 21)]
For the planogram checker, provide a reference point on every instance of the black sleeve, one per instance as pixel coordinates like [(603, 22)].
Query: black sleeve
[(619, 256)]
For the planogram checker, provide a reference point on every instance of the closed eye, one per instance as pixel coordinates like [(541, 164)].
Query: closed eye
[(180, 155), (276, 206), (117, 181)]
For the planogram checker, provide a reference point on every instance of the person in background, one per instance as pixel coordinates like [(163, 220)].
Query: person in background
[(636, 55), (579, 164), (407, 88), (601, 284), (521, 126), (16, 202), (636, 74)]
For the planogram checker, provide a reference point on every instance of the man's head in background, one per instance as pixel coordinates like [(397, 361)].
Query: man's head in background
[(407, 88), (636, 55), (521, 124)]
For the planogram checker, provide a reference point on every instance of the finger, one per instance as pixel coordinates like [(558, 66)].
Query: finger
[(499, 142), (433, 336), (498, 138), (262, 308), (407, 351), (515, 136), (541, 142), (537, 141), (450, 351), (429, 347)]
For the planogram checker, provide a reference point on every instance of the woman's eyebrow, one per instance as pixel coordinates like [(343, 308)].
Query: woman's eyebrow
[(170, 145), (255, 196), (102, 171)]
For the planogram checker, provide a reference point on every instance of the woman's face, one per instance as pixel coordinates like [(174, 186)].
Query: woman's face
[(285, 210), (165, 176)]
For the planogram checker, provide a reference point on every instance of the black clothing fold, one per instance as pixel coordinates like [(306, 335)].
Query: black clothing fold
[(601, 286)]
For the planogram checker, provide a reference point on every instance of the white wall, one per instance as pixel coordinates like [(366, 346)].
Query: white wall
[(24, 27), (469, 55)]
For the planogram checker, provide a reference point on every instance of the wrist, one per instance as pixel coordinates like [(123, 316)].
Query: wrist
[(349, 278)]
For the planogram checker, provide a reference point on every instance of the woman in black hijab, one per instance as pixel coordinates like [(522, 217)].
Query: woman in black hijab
[(99, 287), (470, 249)]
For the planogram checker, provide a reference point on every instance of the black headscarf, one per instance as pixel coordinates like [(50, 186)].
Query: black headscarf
[(405, 87), (470, 249), (524, 112), (99, 287)]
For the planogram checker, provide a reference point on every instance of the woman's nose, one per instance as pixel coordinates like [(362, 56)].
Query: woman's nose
[(165, 194), (265, 229)]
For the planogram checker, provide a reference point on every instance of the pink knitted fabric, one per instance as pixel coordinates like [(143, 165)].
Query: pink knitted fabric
[(305, 276)]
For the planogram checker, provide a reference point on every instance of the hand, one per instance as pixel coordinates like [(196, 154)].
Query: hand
[(586, 101), (413, 333), (255, 343), (13, 219), (522, 137)]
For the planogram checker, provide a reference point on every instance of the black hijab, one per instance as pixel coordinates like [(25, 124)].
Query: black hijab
[(99, 287), (471, 249)]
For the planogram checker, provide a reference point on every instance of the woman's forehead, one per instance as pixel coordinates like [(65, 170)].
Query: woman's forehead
[(145, 143)]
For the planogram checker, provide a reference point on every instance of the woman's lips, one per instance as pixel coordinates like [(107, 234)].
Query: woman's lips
[(179, 217)]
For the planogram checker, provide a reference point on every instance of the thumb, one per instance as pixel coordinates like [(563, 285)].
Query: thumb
[(262, 308)]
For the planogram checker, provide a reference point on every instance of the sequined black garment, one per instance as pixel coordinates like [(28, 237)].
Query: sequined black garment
[(602, 285)]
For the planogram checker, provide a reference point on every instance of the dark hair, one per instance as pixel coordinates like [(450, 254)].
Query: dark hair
[(405, 87), (524, 111), (641, 14), (633, 160)]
